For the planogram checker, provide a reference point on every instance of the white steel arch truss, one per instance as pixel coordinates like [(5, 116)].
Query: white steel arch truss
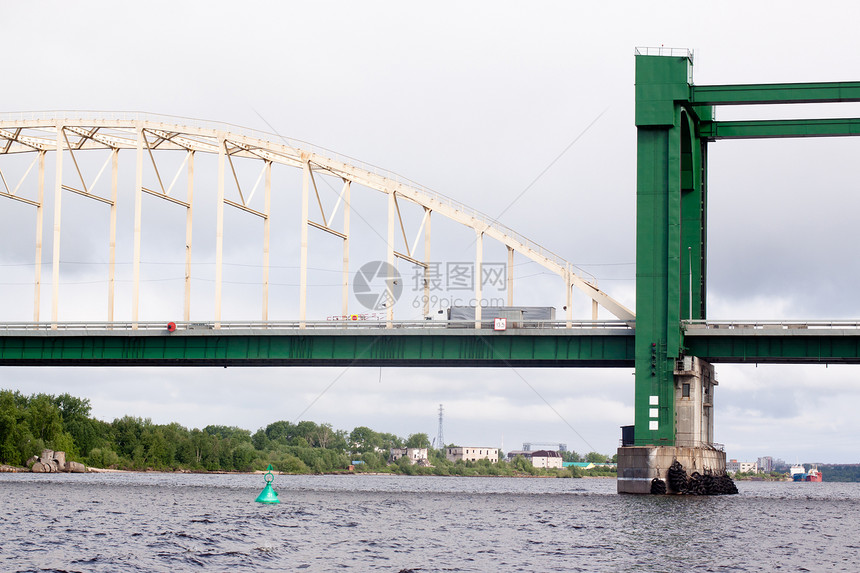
[(74, 132)]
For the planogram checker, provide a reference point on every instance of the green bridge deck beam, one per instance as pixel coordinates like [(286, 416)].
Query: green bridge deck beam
[(463, 348), (762, 346), (611, 348), (763, 129), (756, 94)]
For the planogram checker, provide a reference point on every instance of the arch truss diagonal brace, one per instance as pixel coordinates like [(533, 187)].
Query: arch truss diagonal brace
[(148, 133)]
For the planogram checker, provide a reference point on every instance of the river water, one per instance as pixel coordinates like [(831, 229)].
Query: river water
[(182, 522)]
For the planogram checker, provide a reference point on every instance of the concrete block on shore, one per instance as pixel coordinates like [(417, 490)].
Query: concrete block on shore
[(52, 461), (76, 468)]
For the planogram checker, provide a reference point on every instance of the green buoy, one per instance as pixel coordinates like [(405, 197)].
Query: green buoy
[(268, 495)]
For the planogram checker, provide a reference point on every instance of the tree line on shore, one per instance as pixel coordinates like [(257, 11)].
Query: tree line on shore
[(30, 424)]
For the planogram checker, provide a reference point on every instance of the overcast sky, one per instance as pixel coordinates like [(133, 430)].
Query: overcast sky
[(474, 100)]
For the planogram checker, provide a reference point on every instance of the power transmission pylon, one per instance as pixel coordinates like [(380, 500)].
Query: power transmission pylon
[(440, 439)]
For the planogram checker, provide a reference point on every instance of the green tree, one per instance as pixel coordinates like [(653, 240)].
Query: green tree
[(390, 441), (84, 431), (324, 436), (363, 439), (373, 460), (281, 431), (418, 441), (102, 458), (404, 465), (44, 419), (261, 441), (201, 447), (127, 434), (521, 464), (291, 464), (11, 426), (299, 442), (229, 433), (243, 457)]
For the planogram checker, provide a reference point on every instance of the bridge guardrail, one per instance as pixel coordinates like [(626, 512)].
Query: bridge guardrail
[(714, 445), (296, 325), (694, 325)]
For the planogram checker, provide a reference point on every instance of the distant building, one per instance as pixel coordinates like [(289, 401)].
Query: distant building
[(734, 466), (765, 464), (749, 467), (415, 455), (471, 454), (546, 459), (511, 455)]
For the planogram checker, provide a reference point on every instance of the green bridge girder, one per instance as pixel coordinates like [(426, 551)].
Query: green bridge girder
[(763, 129), (758, 94), (610, 348), (763, 346), (371, 347)]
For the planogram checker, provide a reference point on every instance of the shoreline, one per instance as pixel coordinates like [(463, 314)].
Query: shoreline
[(15, 469)]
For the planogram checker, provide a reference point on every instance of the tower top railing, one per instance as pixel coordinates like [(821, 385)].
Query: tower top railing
[(663, 51)]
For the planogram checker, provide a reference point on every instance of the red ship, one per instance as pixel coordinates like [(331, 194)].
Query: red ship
[(813, 475)]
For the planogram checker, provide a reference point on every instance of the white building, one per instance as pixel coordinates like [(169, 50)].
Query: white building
[(415, 455), (471, 454), (546, 459), (734, 466), (749, 467)]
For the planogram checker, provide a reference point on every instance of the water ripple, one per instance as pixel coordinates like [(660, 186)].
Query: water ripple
[(170, 522)]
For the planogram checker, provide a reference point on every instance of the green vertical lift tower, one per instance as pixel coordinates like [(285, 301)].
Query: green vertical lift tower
[(675, 122)]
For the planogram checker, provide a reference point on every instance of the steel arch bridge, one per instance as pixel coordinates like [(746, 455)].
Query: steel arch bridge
[(66, 136), (671, 349)]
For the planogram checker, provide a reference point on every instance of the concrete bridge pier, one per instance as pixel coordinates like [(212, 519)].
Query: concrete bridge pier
[(638, 464)]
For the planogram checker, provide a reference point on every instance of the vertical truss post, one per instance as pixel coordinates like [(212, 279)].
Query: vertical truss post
[(303, 264), (58, 202), (112, 246), (219, 229), (389, 302), (479, 275), (594, 309), (510, 277), (267, 205), (39, 223), (345, 293), (138, 201), (188, 219), (427, 265), (568, 284)]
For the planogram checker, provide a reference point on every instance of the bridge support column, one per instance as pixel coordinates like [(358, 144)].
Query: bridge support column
[(694, 430)]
